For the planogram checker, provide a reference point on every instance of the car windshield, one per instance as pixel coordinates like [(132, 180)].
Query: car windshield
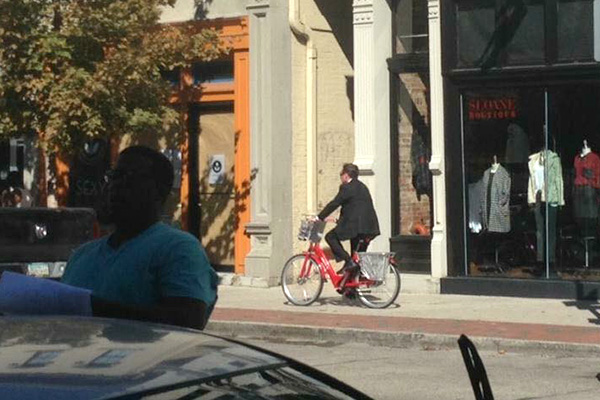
[(276, 383)]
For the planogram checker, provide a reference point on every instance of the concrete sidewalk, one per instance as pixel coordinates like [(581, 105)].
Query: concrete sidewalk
[(423, 320)]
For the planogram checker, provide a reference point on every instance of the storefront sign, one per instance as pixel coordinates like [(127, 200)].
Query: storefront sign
[(481, 109)]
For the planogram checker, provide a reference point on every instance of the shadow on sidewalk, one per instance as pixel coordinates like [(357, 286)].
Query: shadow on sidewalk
[(341, 301), (589, 301), (591, 306)]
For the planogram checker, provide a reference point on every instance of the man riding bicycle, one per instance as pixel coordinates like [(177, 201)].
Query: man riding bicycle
[(357, 222)]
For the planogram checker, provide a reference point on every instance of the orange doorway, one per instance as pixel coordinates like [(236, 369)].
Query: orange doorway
[(216, 112)]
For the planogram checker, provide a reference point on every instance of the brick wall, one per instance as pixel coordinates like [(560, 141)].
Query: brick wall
[(413, 123)]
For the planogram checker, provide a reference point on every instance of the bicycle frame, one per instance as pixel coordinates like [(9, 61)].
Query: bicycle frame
[(316, 253)]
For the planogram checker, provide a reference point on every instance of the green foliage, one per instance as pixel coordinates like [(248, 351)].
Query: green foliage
[(71, 70)]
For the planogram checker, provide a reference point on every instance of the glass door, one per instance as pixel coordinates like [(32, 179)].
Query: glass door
[(216, 157), (505, 213), (574, 135), (532, 182)]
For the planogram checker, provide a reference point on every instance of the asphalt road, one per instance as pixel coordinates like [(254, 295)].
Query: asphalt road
[(425, 374)]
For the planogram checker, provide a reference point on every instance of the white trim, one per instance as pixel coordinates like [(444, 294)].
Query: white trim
[(439, 251)]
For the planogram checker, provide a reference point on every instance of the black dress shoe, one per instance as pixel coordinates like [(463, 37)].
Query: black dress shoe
[(350, 266)]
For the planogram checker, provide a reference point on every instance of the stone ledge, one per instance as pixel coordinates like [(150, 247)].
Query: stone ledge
[(231, 279)]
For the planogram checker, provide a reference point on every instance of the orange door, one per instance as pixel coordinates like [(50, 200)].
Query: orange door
[(216, 165)]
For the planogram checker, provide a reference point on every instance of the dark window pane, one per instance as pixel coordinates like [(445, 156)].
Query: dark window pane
[(575, 30), (172, 76), (475, 26), (215, 72), (509, 32), (412, 27), (527, 43)]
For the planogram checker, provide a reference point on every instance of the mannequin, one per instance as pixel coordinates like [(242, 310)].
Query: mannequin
[(585, 150), (585, 190), (495, 207), (495, 165), (546, 193)]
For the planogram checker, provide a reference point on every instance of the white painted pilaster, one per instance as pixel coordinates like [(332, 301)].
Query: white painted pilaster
[(364, 59), (372, 47), (439, 255), (259, 228), (270, 141)]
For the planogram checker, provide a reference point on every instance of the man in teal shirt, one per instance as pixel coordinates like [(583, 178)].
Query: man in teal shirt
[(144, 270)]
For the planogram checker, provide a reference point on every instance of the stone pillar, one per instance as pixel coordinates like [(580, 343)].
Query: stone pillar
[(372, 47), (439, 254), (270, 142)]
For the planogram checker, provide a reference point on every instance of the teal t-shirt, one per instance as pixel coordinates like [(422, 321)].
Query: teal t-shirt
[(160, 262)]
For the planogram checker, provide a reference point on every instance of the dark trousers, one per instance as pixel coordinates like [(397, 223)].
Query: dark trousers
[(357, 243)]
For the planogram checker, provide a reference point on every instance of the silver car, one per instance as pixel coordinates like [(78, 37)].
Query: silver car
[(95, 358)]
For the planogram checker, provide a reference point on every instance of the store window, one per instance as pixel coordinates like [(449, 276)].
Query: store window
[(87, 183), (576, 30), (532, 181), (501, 33), (410, 66), (411, 136), (414, 153), (509, 32), (475, 25)]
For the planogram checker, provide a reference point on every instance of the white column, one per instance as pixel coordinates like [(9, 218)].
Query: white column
[(372, 47), (364, 120), (439, 255)]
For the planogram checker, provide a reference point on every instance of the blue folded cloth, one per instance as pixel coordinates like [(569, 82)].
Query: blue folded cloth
[(22, 294)]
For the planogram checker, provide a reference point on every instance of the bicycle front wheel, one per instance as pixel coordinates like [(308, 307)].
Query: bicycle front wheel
[(301, 280), (381, 294)]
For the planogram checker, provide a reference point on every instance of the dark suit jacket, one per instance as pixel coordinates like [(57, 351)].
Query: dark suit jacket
[(358, 214)]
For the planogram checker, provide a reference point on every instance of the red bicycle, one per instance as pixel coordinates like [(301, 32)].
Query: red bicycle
[(377, 285)]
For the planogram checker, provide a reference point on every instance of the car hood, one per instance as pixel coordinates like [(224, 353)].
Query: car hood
[(76, 357)]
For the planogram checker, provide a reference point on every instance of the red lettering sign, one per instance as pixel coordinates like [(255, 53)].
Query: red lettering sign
[(481, 109)]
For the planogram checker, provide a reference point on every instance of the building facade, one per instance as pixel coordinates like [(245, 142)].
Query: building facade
[(485, 176), (521, 127), (473, 123)]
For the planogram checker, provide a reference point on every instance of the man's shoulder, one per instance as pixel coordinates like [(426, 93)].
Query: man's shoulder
[(91, 245), (362, 190), (167, 234), (358, 185)]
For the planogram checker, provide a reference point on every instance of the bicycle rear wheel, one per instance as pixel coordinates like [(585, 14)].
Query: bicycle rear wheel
[(301, 280), (381, 294)]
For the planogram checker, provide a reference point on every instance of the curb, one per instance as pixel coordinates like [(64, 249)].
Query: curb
[(323, 336)]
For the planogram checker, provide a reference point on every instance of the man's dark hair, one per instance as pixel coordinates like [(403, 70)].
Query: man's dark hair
[(161, 168), (351, 170)]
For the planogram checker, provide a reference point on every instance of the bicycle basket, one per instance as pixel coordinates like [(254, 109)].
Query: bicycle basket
[(374, 266), (311, 230)]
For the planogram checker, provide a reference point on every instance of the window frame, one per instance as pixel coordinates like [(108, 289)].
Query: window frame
[(551, 43)]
